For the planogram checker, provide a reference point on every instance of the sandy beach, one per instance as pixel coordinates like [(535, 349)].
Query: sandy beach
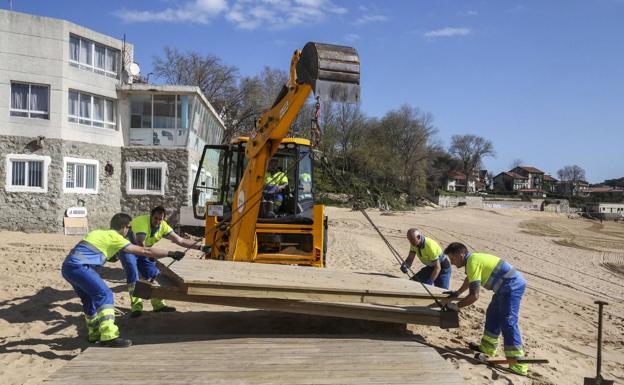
[(568, 263)]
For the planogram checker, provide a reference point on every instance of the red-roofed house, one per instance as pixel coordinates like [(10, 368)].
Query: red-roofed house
[(510, 181), (534, 175), (550, 184), (456, 181)]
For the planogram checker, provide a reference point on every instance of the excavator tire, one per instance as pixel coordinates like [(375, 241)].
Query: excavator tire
[(333, 71)]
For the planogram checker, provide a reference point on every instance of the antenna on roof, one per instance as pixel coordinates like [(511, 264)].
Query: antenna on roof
[(10, 5)]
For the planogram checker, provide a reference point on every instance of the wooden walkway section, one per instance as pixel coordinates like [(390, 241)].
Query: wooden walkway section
[(301, 290), (231, 360)]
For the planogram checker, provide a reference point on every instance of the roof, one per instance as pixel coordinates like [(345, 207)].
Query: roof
[(548, 178), (511, 174), (532, 170), (600, 189), (456, 175)]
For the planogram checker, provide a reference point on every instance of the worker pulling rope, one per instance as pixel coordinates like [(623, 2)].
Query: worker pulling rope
[(358, 205)]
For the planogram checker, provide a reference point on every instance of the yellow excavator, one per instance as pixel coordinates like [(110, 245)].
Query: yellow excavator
[(257, 193)]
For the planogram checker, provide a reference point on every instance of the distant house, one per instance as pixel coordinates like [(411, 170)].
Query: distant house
[(573, 187), (603, 210), (550, 184), (605, 192), (535, 176), (456, 181), (508, 181)]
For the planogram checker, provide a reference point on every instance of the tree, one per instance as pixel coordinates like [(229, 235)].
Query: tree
[(470, 151), (571, 173), (515, 163), (219, 82)]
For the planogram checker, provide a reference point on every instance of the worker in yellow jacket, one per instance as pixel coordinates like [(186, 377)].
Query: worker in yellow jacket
[(437, 269), (97, 299), (145, 231), (492, 273)]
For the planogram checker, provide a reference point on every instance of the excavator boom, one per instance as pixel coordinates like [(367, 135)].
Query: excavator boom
[(332, 72)]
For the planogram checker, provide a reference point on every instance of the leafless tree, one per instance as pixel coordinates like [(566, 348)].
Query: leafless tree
[(572, 173), (219, 82), (515, 163), (470, 150)]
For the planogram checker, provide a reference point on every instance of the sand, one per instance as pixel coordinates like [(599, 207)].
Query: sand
[(568, 263)]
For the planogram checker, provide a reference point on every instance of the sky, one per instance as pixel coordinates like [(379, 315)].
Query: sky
[(543, 80)]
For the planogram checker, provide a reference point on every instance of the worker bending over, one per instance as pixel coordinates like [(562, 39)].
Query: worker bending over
[(437, 269), (508, 286), (97, 299), (145, 231)]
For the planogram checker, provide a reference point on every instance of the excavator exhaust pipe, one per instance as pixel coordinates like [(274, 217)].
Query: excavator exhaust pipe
[(333, 71)]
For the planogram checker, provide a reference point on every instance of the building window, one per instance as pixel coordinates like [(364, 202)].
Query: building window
[(80, 175), (92, 56), (160, 120), (27, 173), (30, 100), (146, 178), (91, 110)]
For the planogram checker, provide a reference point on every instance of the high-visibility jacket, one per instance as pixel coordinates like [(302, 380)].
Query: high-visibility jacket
[(96, 247), (143, 225), (277, 179), (488, 270), (428, 251), (305, 177)]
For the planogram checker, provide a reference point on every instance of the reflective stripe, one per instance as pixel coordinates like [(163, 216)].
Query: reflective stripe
[(491, 340), (107, 317), (104, 307), (514, 351), (490, 335), (495, 282)]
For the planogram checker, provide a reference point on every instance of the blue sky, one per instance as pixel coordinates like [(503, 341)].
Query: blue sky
[(544, 80)]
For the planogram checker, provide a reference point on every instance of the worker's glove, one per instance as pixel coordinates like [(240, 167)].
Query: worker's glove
[(113, 259), (177, 255), (451, 293), (404, 268), (206, 249), (452, 306)]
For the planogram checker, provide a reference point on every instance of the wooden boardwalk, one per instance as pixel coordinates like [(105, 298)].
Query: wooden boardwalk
[(261, 360)]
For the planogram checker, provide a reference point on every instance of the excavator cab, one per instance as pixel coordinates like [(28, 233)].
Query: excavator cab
[(257, 193), (286, 219)]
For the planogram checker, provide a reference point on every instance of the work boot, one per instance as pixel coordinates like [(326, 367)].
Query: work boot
[(136, 313), (116, 343), (474, 346), (165, 309)]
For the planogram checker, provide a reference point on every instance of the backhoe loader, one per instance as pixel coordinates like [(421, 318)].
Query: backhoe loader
[(257, 193)]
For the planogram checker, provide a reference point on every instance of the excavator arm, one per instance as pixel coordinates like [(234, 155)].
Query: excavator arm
[(332, 73)]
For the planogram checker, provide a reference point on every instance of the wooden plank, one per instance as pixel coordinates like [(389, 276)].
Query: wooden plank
[(250, 280), (261, 360), (365, 311)]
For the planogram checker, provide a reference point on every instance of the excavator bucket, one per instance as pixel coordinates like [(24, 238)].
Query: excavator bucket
[(333, 71)]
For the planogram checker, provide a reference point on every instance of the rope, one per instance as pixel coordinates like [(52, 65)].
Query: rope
[(393, 251)]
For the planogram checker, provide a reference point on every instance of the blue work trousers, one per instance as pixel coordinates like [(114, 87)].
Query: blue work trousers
[(502, 313), (424, 275), (89, 286), (134, 265)]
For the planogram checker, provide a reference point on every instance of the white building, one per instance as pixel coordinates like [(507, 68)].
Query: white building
[(75, 132)]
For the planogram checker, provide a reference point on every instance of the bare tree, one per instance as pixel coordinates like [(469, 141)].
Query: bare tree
[(572, 173), (515, 163), (218, 81), (470, 150)]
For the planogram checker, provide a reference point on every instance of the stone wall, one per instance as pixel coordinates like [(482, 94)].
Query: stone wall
[(453, 201), (45, 211), (177, 179)]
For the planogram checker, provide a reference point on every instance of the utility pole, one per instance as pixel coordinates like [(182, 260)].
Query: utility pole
[(10, 5)]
